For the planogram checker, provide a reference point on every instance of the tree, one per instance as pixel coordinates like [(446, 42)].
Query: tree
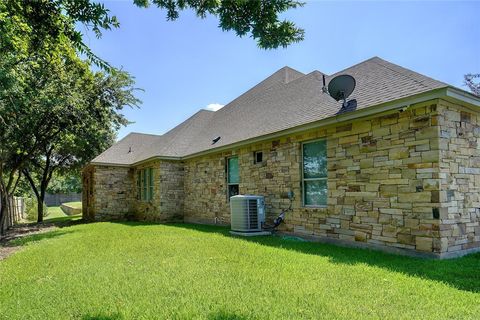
[(68, 182), (471, 84), (259, 18), (91, 130), (42, 83), (39, 66)]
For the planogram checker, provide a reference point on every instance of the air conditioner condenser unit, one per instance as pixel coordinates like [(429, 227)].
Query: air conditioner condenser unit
[(247, 214)]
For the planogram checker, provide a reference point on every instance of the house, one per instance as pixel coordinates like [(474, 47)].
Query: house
[(398, 168)]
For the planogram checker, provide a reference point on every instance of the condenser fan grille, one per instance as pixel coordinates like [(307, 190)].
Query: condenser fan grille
[(247, 213), (253, 214)]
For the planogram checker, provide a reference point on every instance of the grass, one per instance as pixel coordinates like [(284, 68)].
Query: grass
[(75, 204), (147, 271), (56, 214)]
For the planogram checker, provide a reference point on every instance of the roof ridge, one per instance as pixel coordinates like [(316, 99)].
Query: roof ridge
[(402, 73), (188, 123), (151, 144), (187, 120), (305, 76), (355, 65), (273, 105), (265, 92), (258, 85), (145, 134)]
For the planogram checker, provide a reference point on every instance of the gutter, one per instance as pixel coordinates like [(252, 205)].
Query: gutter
[(451, 93), (388, 106), (464, 96)]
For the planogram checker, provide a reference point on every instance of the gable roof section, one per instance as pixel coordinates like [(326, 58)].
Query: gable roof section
[(176, 142), (286, 99), (379, 81), (126, 150)]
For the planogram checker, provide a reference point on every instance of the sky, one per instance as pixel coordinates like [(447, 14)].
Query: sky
[(190, 64)]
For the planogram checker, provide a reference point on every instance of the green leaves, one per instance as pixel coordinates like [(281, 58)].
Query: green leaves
[(473, 85), (258, 18), (56, 114)]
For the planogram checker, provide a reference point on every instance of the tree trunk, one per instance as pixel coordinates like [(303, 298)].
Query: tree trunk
[(40, 195), (3, 213), (40, 209)]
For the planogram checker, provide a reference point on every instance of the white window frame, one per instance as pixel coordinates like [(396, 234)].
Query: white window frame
[(312, 179), (227, 174)]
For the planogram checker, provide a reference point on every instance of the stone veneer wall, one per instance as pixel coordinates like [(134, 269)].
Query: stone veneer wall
[(142, 209), (383, 181), (168, 197), (406, 180), (205, 190), (110, 195), (460, 178), (172, 195)]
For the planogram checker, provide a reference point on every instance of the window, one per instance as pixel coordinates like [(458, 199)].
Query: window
[(145, 184), (232, 177), (257, 157), (150, 185), (139, 184), (314, 173), (145, 180)]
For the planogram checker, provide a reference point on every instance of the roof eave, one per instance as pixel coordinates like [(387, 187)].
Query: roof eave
[(108, 164), (388, 106), (448, 93), (459, 95), (155, 158), (134, 164)]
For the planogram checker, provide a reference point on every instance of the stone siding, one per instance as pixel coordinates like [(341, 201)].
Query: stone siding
[(406, 179), (143, 209), (168, 196), (172, 194), (206, 190), (382, 181), (460, 178), (110, 194)]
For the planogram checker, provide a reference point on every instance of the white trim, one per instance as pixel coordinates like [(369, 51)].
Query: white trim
[(227, 171), (446, 92), (106, 164), (312, 179), (463, 96), (397, 104)]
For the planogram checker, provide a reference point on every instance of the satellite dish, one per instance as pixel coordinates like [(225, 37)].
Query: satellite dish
[(341, 87)]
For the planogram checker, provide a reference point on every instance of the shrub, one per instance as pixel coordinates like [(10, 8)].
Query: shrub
[(31, 209)]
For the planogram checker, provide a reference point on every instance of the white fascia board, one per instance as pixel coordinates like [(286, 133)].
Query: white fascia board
[(463, 96), (389, 106), (446, 92)]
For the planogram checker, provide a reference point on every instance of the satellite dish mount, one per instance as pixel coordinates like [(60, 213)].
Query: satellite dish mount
[(341, 87)]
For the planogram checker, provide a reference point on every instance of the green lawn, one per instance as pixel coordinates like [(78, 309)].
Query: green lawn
[(75, 204), (55, 214), (145, 271)]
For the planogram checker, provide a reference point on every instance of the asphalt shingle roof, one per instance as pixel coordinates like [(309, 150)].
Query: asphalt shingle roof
[(286, 99)]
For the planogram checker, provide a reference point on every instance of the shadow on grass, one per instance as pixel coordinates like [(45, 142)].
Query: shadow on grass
[(67, 219), (461, 273), (21, 241)]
